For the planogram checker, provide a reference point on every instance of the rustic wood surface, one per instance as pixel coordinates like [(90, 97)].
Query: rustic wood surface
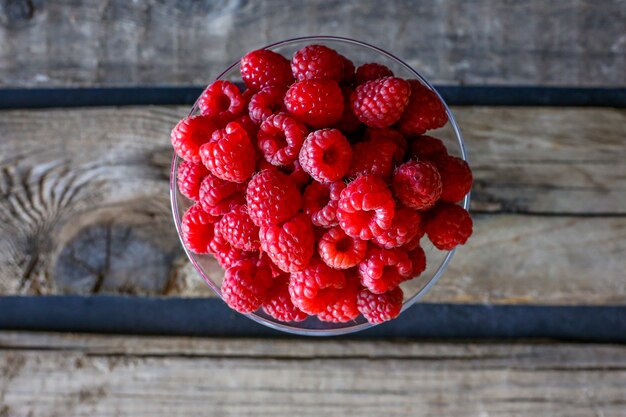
[(86, 194), (89, 43), (49, 375)]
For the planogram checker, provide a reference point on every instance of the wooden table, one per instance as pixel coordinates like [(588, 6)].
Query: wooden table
[(84, 211)]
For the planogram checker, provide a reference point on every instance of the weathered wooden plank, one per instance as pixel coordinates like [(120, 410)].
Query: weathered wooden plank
[(85, 194), (49, 375), (64, 43)]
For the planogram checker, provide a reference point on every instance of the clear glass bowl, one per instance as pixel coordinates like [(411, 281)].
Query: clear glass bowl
[(437, 261)]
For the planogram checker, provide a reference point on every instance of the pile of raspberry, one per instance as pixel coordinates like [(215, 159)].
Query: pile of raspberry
[(314, 185)]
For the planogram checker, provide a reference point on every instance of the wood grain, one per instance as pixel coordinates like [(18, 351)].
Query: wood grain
[(68, 43), (79, 212), (51, 375)]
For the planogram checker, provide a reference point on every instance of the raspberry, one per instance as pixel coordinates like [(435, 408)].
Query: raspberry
[(415, 242), (293, 170), (230, 154), (340, 251), (405, 226), (348, 70), (427, 147), (189, 176), (239, 230), (265, 103), (190, 134), (317, 62), (265, 260), (365, 208), (290, 244), (320, 202), (348, 121), (425, 111), (218, 196), (384, 269), (318, 103), (264, 68), (325, 155), (296, 173), (417, 184), (197, 229), (371, 71), (225, 254), (222, 101), (248, 125), (448, 225), (272, 198), (378, 308), (315, 287), (456, 178), (247, 96), (344, 308), (245, 286), (392, 135), (380, 102), (372, 157), (278, 303), (418, 261), (280, 139)]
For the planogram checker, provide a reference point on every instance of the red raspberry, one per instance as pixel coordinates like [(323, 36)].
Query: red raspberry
[(325, 155), (380, 103), (372, 157), (348, 122), (247, 96), (280, 139), (378, 308), (348, 70), (222, 101), (278, 303), (345, 307), (365, 208), (315, 287), (230, 154), (417, 184), (317, 62), (189, 176), (265, 103), (448, 225), (384, 269), (415, 242), (318, 103), (290, 244), (264, 68), (405, 226), (392, 135), (197, 229), (296, 173), (427, 147), (225, 254), (320, 202), (424, 112), (371, 71), (239, 230), (265, 260), (418, 261), (272, 198), (456, 178), (245, 286), (218, 196), (340, 251), (248, 125), (191, 133)]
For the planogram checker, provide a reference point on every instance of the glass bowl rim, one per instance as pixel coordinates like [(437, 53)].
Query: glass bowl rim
[(285, 327)]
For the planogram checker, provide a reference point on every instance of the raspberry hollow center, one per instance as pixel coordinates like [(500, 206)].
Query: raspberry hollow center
[(344, 245), (223, 103)]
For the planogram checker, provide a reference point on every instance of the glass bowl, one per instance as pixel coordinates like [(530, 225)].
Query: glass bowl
[(437, 261)]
